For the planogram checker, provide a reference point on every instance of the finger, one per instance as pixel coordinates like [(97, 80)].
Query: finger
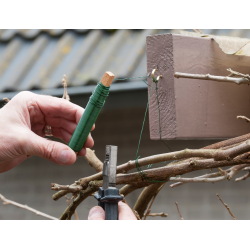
[(58, 122), (58, 107), (66, 136), (53, 151), (12, 163), (61, 133), (96, 213), (125, 212), (38, 126)]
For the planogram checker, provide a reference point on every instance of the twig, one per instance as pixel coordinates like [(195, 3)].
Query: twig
[(157, 214), (9, 202), (64, 83), (163, 173), (235, 73), (233, 171), (178, 210), (243, 117), (236, 80), (69, 202), (227, 207), (225, 175), (93, 160), (122, 168), (76, 202), (202, 176), (137, 215), (71, 188), (152, 201), (244, 177), (6, 99), (198, 31)]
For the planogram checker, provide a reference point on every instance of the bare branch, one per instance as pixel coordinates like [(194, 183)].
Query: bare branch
[(64, 83), (93, 160), (69, 202), (9, 202), (145, 197), (157, 214), (152, 201), (60, 194), (223, 175), (213, 78), (137, 215), (219, 145), (178, 210), (6, 99), (198, 31), (70, 188), (202, 176), (235, 73), (76, 202), (227, 207), (244, 177), (243, 117)]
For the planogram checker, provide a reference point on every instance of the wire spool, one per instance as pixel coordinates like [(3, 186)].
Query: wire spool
[(92, 110)]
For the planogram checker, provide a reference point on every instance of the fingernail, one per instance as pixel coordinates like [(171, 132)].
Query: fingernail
[(65, 157), (95, 213)]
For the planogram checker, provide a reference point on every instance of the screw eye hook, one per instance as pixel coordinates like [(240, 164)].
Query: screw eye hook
[(153, 73), (157, 79)]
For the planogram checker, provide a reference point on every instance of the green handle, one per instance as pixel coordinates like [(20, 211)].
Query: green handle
[(89, 117)]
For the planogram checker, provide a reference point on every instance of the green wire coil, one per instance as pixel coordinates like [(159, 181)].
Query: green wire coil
[(92, 110)]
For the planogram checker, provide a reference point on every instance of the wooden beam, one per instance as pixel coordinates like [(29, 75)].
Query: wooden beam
[(189, 108)]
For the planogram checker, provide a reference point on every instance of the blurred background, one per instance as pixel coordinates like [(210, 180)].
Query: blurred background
[(36, 60)]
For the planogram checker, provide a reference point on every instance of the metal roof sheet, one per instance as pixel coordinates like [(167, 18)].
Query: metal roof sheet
[(37, 59)]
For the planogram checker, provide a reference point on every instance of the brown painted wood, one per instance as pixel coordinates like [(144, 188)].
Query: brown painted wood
[(195, 109)]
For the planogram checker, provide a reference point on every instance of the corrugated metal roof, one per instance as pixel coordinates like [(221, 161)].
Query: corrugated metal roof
[(37, 59)]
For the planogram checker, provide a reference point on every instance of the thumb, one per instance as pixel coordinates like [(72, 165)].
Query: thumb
[(125, 212), (96, 213), (53, 151)]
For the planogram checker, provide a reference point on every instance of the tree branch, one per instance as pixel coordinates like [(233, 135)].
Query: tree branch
[(6, 99), (243, 117), (157, 214), (70, 188), (9, 202), (223, 144), (236, 80), (145, 197), (93, 160), (228, 176), (69, 202), (152, 201), (227, 207), (64, 83), (178, 210), (244, 177), (76, 202)]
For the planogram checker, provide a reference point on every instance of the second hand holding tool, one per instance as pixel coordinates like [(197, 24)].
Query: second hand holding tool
[(108, 195)]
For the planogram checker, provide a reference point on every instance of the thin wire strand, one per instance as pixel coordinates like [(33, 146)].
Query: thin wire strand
[(140, 171)]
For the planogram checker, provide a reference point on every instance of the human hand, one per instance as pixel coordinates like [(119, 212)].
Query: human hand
[(124, 212), (23, 120)]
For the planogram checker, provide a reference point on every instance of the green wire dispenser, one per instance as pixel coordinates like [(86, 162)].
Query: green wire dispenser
[(92, 110)]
